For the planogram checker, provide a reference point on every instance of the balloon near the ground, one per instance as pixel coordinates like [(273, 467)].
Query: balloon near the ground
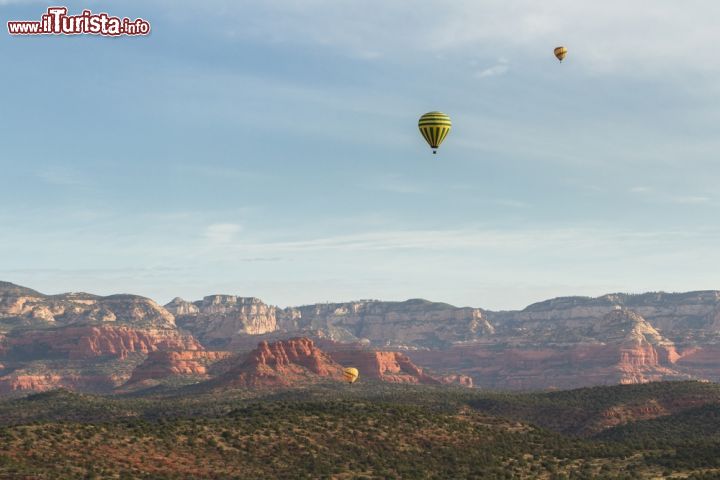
[(351, 374)]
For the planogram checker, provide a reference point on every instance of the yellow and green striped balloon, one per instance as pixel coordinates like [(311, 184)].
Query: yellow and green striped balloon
[(434, 126)]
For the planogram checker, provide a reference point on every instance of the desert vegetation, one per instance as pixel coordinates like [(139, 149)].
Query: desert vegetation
[(374, 431)]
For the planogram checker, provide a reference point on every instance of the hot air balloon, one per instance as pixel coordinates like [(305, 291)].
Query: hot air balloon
[(560, 53), (434, 126), (350, 374)]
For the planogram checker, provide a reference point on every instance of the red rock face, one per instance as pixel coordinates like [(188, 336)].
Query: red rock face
[(561, 343), (162, 364), (88, 342), (703, 362), (282, 363), (632, 351), (560, 367), (36, 383), (394, 367), (293, 362), (44, 382)]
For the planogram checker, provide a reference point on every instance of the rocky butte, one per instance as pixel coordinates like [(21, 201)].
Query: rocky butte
[(284, 363), (393, 367), (298, 361), (97, 343)]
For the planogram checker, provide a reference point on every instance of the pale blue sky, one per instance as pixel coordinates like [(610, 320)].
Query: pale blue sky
[(271, 149)]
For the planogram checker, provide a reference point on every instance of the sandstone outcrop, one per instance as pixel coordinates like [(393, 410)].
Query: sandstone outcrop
[(21, 306), (701, 362), (631, 351), (163, 364), (564, 342), (299, 361), (37, 383), (413, 322), (289, 362), (89, 342), (178, 307), (216, 319), (22, 381), (681, 317), (393, 367)]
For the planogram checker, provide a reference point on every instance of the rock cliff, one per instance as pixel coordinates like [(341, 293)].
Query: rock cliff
[(78, 340), (681, 317), (413, 322), (299, 361), (393, 367), (21, 306), (220, 320), (701, 362), (216, 319), (163, 363), (88, 342), (563, 342), (620, 347), (22, 382), (284, 363)]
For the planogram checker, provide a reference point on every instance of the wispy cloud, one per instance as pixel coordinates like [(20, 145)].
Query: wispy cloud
[(369, 54), (561, 239), (222, 233), (655, 195), (217, 172), (597, 37), (498, 69), (446, 264), (691, 200)]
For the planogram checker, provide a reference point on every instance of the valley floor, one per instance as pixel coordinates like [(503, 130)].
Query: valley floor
[(374, 431)]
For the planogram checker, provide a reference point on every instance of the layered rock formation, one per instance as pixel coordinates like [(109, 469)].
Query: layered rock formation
[(88, 342), (163, 364), (77, 340), (216, 319), (21, 306), (701, 362), (563, 342), (22, 382), (299, 361), (681, 317), (620, 347), (284, 363), (220, 320), (411, 323), (394, 367)]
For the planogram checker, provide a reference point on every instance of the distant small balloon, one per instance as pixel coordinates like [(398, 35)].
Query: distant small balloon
[(351, 374), (560, 53), (434, 126)]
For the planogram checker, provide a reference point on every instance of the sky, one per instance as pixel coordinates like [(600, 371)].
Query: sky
[(271, 149)]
